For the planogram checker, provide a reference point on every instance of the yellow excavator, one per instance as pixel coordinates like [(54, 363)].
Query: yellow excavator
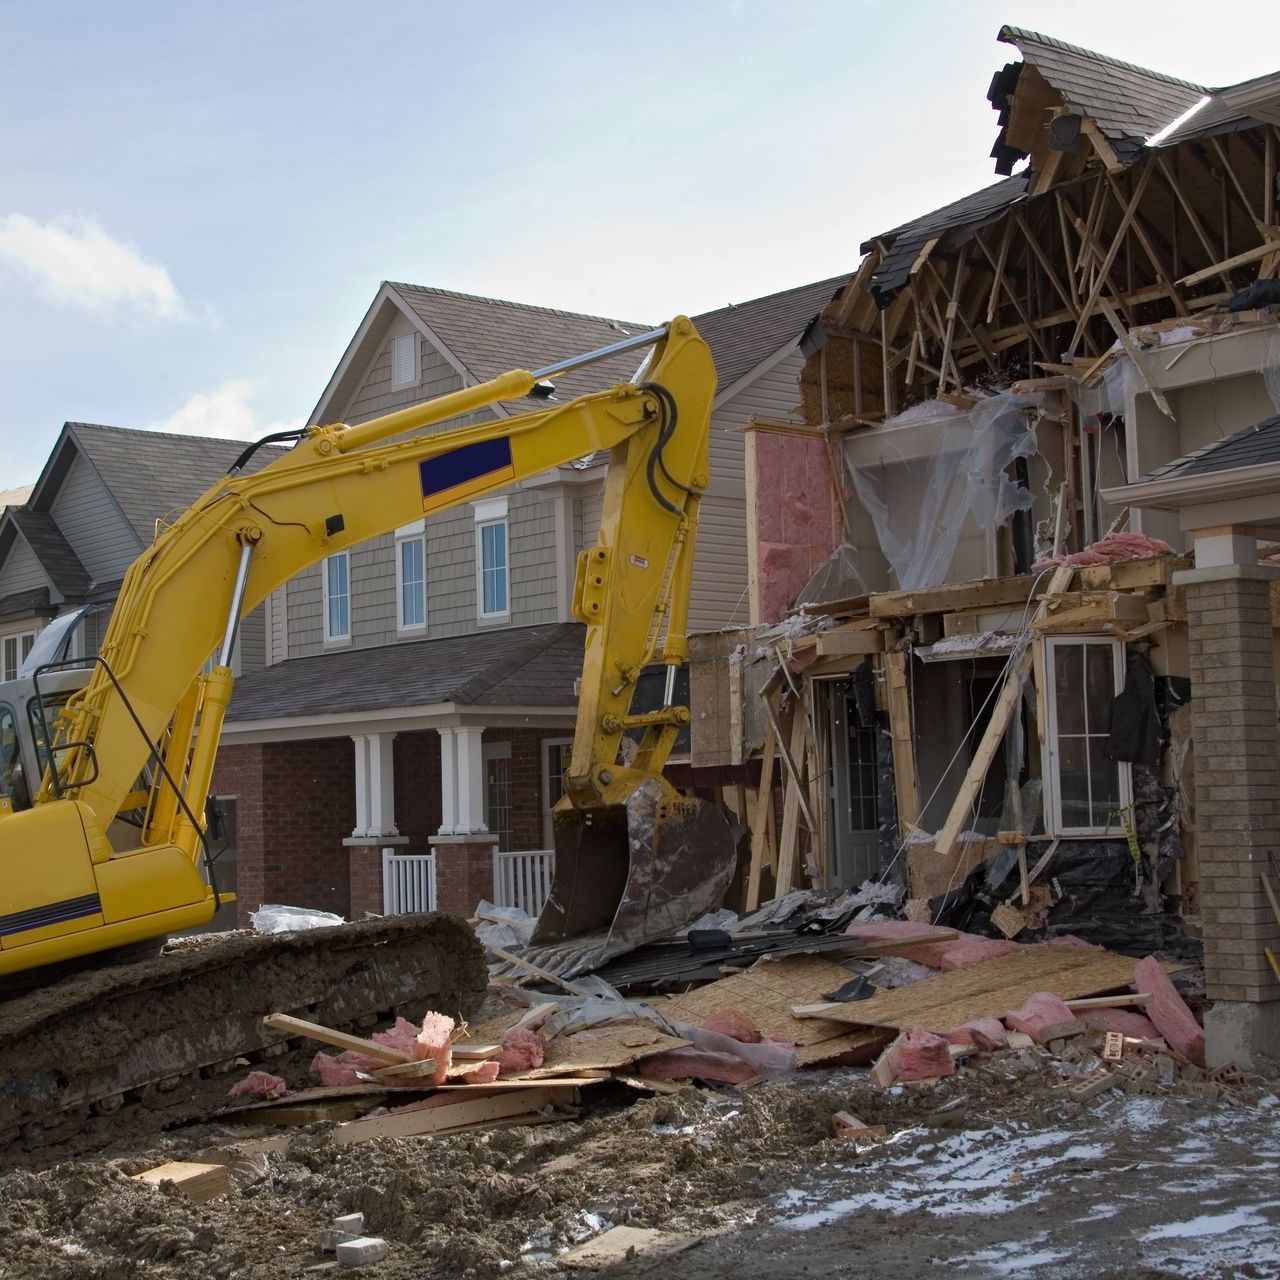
[(104, 840)]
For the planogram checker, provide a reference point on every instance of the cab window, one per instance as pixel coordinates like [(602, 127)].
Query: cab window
[(12, 781)]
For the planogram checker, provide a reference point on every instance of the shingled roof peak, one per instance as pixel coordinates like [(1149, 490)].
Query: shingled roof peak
[(1016, 36), (517, 306)]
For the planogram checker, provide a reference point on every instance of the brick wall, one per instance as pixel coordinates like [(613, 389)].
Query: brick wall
[(1237, 778), (417, 769), (295, 804), (527, 783)]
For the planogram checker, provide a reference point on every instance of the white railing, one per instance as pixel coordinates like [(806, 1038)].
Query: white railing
[(408, 882), (523, 879)]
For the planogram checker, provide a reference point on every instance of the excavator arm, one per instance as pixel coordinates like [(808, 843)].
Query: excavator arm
[(150, 709)]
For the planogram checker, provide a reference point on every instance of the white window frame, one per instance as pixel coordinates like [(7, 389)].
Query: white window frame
[(497, 751), (1050, 758), (413, 532), (548, 801), (330, 637), (491, 513), (17, 637), (396, 348)]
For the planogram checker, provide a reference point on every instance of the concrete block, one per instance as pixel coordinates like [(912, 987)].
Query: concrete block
[(1242, 1032), (361, 1251), (353, 1223)]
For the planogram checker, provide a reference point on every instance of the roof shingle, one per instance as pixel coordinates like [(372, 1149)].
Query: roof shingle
[(54, 552), (1250, 447), (520, 666)]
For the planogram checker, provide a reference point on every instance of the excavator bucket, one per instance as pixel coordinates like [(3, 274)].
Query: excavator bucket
[(636, 872)]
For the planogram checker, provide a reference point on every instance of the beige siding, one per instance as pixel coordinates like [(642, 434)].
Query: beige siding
[(92, 523), (376, 395), (277, 628), (21, 570)]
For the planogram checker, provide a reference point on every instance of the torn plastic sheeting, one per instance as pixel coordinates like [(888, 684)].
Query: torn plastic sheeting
[(503, 926), (836, 578), (272, 917), (769, 1058), (920, 504)]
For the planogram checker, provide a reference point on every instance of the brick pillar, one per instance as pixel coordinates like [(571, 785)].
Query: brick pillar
[(464, 871), (365, 881), (1237, 795)]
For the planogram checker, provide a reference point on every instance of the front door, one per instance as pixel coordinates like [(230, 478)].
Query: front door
[(854, 794)]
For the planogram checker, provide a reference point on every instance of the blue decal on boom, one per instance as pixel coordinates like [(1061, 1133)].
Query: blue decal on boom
[(470, 462)]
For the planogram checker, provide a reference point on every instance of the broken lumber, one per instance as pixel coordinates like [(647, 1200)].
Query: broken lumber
[(421, 1118), (538, 972), (338, 1039), (914, 1055), (846, 1125), (198, 1182)]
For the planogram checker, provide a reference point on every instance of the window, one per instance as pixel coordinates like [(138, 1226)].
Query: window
[(1085, 792), (492, 576), (411, 577), (13, 653), (12, 783), (404, 360), (498, 799), (337, 599), (555, 764)]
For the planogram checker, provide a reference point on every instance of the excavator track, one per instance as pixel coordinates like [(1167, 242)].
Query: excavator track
[(150, 1031)]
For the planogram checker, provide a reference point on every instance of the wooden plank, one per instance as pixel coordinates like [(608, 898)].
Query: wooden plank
[(406, 1071), (902, 733), (605, 1048), (788, 756), (198, 1182), (1009, 700), (536, 971), (475, 1052), (1228, 264), (1120, 1001), (849, 642), (409, 1122), (795, 800), (987, 594), (760, 821), (621, 1244), (501, 1086), (989, 989), (337, 1039)]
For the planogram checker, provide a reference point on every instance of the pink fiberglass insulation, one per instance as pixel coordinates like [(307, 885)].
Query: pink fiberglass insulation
[(796, 522), (947, 953), (1169, 1011), (259, 1084), (1041, 1010), (690, 1063), (734, 1024), (1109, 550), (914, 1055), (1125, 1021), (475, 1072), (330, 1070), (402, 1037), (983, 1033), (435, 1040), (967, 950), (522, 1050)]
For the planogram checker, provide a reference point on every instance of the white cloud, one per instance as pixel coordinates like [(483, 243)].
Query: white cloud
[(224, 413), (78, 262)]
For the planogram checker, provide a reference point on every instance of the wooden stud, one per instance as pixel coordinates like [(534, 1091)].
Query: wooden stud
[(760, 819), (1238, 260), (1235, 182), (536, 971), (902, 734), (337, 1039), (198, 1182), (998, 265), (795, 800), (788, 759)]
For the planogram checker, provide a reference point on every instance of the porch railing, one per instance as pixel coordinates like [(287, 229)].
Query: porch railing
[(408, 882), (523, 879)]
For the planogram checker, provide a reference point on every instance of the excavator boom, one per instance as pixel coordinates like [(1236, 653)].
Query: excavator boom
[(633, 857)]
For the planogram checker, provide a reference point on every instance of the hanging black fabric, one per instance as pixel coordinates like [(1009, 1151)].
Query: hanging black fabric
[(1135, 720)]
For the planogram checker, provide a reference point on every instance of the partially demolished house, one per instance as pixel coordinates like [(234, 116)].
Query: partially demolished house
[(1033, 680)]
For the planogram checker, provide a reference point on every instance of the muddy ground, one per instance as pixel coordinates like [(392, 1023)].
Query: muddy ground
[(984, 1175)]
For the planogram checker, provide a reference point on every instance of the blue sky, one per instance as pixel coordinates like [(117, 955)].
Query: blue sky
[(198, 202)]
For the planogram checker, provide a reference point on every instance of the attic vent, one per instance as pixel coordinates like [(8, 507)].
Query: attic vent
[(404, 360)]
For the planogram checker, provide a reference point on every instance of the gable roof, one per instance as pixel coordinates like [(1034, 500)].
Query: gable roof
[(1127, 102), (14, 497), (1250, 447), (153, 474), (518, 666), (41, 533), (742, 335)]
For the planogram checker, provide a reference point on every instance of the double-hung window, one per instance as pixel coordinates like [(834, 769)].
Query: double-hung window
[(411, 577), (1085, 792), (13, 653), (493, 584), (336, 572)]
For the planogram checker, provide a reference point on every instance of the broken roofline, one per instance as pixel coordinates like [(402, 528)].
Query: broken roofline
[(1064, 257)]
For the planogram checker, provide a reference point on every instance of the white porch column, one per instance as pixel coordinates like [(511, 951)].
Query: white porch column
[(470, 762), (361, 829), (382, 794), (448, 783)]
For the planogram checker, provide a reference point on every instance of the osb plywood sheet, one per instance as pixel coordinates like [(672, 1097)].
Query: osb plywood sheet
[(865, 1044), (765, 993), (600, 1048), (990, 989)]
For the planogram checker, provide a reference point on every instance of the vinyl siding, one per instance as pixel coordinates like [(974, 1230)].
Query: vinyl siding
[(21, 570), (92, 523), (376, 394), (277, 630), (252, 642)]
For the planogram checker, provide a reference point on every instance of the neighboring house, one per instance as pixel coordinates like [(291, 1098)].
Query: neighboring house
[(92, 511), (421, 694), (14, 497)]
